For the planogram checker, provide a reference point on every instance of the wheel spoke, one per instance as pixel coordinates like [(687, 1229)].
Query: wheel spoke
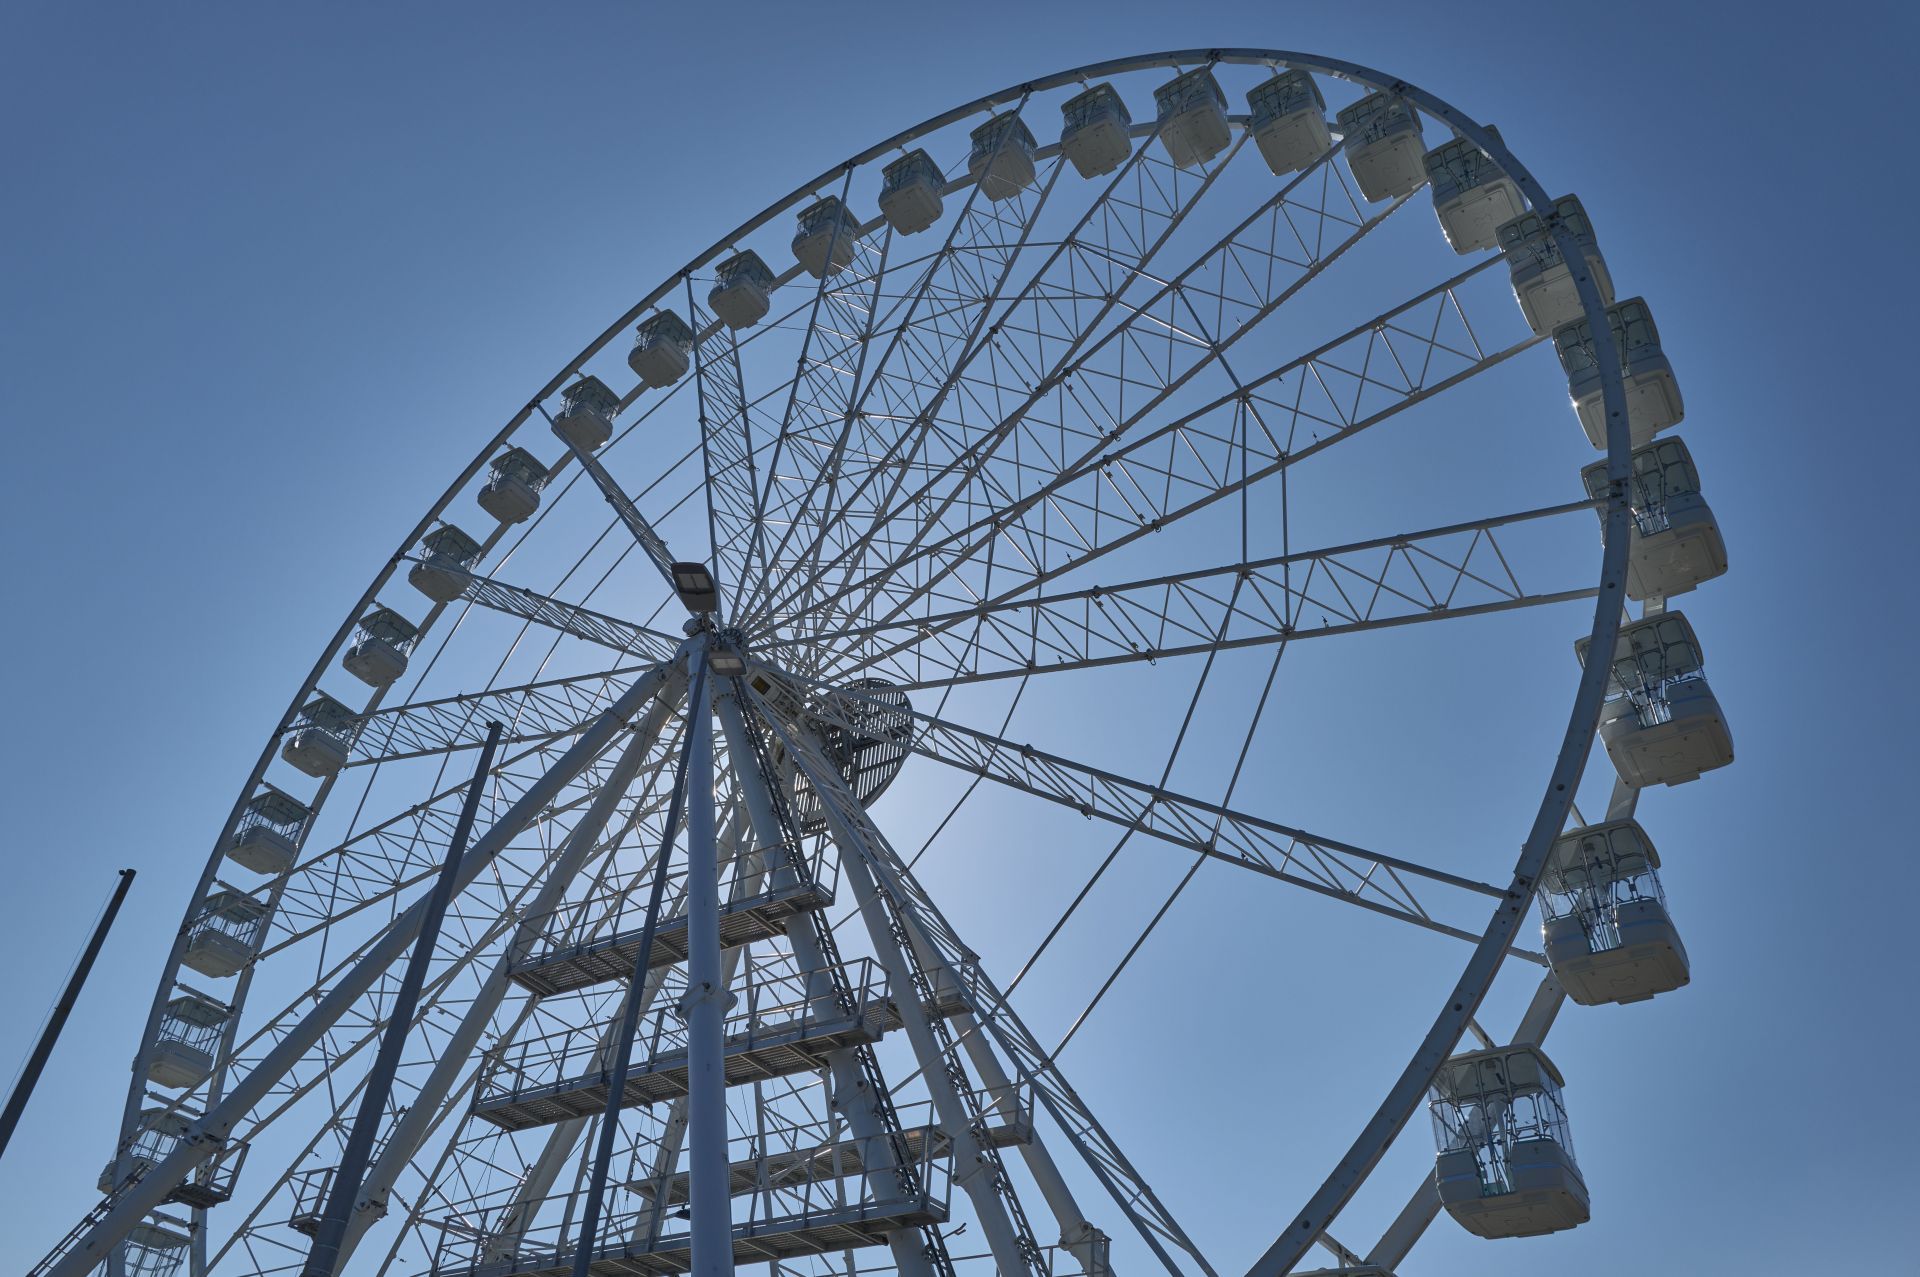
[(1111, 497), (1083, 400), (535, 712), (1380, 883), (938, 333), (1417, 577), (582, 623), (1129, 1189)]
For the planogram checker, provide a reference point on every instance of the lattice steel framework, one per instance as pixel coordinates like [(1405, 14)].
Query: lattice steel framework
[(1065, 429)]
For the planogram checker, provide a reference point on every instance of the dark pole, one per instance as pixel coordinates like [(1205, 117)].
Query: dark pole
[(23, 1090), (630, 1011), (373, 1101)]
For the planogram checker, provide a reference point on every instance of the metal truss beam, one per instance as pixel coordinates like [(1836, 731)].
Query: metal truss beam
[(569, 618), (937, 337), (927, 927), (207, 1135), (1119, 491), (534, 713), (1074, 409), (1327, 866), (1439, 574), (1082, 282)]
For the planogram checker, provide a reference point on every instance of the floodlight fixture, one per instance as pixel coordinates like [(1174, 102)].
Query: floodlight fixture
[(694, 584)]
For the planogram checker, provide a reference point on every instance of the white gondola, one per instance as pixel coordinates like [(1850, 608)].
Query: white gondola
[(1192, 111), (587, 410), (225, 934), (378, 654), (1653, 396), (741, 297), (1676, 541), (512, 491), (158, 1133), (322, 736), (189, 1034), (1542, 279), (1000, 157), (445, 568), (154, 1250), (1288, 120), (1604, 917), (1381, 135), (1094, 131), (910, 197), (662, 350), (823, 245), (1472, 197), (1661, 723), (268, 835), (1505, 1166)]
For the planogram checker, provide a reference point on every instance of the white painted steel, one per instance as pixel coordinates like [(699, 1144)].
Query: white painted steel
[(835, 250)]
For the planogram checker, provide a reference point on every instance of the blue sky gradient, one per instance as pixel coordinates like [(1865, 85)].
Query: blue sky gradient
[(274, 272)]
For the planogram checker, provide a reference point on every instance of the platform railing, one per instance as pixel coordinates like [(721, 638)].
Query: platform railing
[(620, 907), (764, 998), (807, 1181)]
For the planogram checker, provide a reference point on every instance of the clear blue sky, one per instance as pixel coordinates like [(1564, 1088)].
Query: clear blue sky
[(272, 272)]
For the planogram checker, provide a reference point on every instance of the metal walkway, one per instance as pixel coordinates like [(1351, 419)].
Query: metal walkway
[(762, 1051), (812, 1164), (835, 1228), (563, 969)]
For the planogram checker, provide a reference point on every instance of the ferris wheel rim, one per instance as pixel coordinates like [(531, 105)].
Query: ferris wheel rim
[(1613, 557)]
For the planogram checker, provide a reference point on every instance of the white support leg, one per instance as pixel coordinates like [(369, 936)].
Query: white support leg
[(850, 1092), (1078, 1234), (457, 1055), (1083, 1241), (972, 1168), (561, 1139), (209, 1134), (709, 1193)]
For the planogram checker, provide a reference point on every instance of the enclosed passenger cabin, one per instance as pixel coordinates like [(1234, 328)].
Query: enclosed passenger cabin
[(1094, 131), (268, 835), (1653, 397), (910, 196), (1472, 196), (1542, 279), (189, 1034), (823, 245), (742, 290), (378, 654), (1676, 543), (1505, 1167), (1604, 917), (587, 409), (1001, 157), (155, 1248), (1381, 135), (322, 735), (1192, 112), (224, 934), (157, 1134), (1288, 120), (512, 491), (445, 569), (1661, 724), (662, 350)]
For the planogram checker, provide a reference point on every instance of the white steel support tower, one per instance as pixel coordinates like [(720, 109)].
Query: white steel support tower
[(950, 518)]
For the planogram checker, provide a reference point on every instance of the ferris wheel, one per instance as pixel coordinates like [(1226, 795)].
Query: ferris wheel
[(1080, 404)]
